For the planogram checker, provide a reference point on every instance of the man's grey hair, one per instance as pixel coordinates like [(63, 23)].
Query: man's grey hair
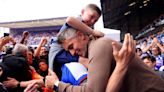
[(66, 34), (19, 48)]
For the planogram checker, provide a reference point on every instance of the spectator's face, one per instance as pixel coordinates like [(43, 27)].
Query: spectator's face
[(145, 43), (159, 33), (139, 52), (42, 51), (76, 45), (90, 17), (43, 66), (29, 55), (25, 54), (149, 63), (155, 51)]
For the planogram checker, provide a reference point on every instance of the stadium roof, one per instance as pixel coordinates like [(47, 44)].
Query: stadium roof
[(130, 16), (34, 23)]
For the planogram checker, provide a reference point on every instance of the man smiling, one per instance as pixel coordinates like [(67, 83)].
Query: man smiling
[(103, 73)]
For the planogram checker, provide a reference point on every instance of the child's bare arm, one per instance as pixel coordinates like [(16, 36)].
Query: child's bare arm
[(75, 23)]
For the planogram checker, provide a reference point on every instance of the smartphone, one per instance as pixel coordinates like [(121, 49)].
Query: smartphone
[(6, 34)]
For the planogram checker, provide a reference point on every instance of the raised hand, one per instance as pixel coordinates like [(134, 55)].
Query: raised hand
[(25, 34), (124, 56), (44, 41), (155, 40)]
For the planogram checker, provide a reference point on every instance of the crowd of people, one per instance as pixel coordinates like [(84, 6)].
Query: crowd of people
[(35, 37), (153, 46), (80, 59)]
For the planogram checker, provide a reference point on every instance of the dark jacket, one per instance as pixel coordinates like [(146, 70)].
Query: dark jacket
[(15, 66)]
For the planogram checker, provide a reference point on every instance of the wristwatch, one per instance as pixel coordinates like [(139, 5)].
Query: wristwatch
[(56, 84)]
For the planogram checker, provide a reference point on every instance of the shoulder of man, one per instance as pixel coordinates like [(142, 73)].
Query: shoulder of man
[(100, 46), (102, 41)]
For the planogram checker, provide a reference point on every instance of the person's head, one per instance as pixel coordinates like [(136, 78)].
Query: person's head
[(44, 53), (30, 55), (43, 66), (90, 14), (73, 41), (155, 51), (138, 51), (20, 49), (150, 61), (43, 50), (144, 42)]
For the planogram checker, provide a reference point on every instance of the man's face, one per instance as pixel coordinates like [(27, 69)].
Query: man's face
[(155, 51), (90, 17), (42, 51), (76, 46), (149, 63), (29, 55), (43, 66)]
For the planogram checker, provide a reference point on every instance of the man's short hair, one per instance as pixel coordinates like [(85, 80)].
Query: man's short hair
[(149, 57), (94, 7), (66, 34)]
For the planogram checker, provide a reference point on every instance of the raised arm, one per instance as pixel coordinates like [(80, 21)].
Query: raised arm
[(43, 42), (24, 37), (123, 59), (148, 47)]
